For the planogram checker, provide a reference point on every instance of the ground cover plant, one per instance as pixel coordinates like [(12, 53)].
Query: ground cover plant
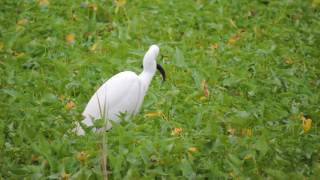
[(241, 99)]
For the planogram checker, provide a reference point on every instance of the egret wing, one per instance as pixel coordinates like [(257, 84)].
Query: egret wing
[(122, 93)]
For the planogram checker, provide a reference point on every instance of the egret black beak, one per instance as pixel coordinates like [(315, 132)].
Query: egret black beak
[(163, 73)]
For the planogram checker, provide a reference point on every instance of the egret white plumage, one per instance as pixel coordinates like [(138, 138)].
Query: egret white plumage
[(122, 93)]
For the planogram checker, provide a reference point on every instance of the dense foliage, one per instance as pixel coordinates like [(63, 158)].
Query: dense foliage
[(241, 100)]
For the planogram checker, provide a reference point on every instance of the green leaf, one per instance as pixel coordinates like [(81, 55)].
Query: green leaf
[(235, 160), (99, 123), (10, 92), (187, 170), (179, 58), (262, 146), (276, 174)]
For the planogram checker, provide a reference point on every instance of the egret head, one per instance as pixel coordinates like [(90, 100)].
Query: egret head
[(149, 61)]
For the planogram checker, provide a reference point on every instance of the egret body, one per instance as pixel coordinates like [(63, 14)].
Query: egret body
[(122, 93)]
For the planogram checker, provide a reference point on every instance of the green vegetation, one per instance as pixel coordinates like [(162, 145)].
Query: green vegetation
[(241, 101)]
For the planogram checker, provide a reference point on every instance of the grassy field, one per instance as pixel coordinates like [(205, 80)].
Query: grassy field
[(242, 99)]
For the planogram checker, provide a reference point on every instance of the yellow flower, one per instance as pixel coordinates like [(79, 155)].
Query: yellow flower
[(120, 3), (231, 131), (288, 61), (232, 40), (93, 47), (82, 156), (70, 38), (22, 22), (43, 3), (93, 6), (61, 98), (307, 124), (193, 149), (65, 176), (235, 37), (248, 157), (215, 46), (70, 104), (176, 131)]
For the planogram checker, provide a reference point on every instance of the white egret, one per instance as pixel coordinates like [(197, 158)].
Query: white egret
[(122, 93)]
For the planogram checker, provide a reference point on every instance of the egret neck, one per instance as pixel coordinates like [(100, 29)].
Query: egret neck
[(149, 65)]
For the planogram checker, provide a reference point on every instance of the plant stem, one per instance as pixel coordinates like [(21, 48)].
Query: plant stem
[(104, 156)]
